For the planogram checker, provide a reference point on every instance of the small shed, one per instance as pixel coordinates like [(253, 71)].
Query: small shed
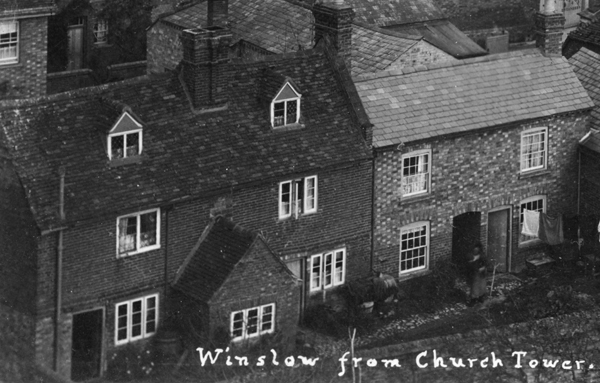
[(233, 289)]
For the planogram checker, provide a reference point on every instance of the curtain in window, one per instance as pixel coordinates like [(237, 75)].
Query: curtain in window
[(148, 228), (127, 234), (8, 40)]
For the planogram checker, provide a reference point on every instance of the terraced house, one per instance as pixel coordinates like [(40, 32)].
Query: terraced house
[(107, 191), (463, 148)]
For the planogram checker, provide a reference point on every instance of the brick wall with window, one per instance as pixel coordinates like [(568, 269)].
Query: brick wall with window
[(23, 57), (164, 50), (473, 172)]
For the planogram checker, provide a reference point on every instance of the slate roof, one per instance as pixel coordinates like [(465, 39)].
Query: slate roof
[(586, 65), (222, 245), (26, 7), (446, 36), (422, 103), (588, 33), (185, 154), (395, 12), (282, 26)]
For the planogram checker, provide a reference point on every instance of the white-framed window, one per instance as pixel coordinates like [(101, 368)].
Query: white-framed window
[(252, 322), (414, 247), (9, 42), (136, 319), (285, 108), (101, 32), (416, 173), (327, 270), (125, 139), (137, 233), (298, 197), (535, 203), (534, 149)]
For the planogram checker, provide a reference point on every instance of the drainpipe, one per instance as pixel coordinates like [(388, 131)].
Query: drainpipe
[(373, 210), (578, 179), (166, 271), (59, 255)]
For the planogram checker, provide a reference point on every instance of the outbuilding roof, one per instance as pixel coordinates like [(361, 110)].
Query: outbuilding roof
[(586, 65), (185, 154), (426, 102)]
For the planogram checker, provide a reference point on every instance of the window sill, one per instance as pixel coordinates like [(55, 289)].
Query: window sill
[(415, 274), (10, 64), (125, 161), (286, 128), (534, 173), (415, 198), (144, 250)]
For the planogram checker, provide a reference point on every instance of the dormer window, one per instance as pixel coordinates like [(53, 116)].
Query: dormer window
[(285, 108), (125, 138)]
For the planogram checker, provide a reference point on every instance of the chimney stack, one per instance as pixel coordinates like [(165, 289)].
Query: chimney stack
[(334, 19), (549, 28), (217, 13), (205, 59)]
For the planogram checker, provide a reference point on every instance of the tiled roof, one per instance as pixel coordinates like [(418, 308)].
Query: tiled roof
[(591, 141), (446, 36), (589, 33), (26, 7), (586, 65), (395, 12), (468, 95), (222, 245), (284, 26), (185, 154)]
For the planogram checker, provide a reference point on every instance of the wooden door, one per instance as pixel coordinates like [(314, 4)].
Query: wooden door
[(498, 249), (75, 47)]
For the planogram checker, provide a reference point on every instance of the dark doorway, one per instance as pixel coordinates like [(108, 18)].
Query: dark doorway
[(298, 268), (465, 234), (499, 238), (86, 345)]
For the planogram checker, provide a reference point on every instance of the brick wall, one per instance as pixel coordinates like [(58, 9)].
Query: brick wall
[(475, 172), (164, 49), (27, 78), (258, 279), (16, 345), (590, 182), (422, 53)]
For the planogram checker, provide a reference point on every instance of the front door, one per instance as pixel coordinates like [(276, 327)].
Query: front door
[(498, 239), (86, 345)]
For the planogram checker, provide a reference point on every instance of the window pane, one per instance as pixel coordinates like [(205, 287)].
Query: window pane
[(291, 111), (101, 32), (150, 315), (127, 234), (267, 318), (9, 40), (285, 199), (133, 144), (413, 248), (238, 324), (252, 327), (328, 266), (122, 322), (533, 150), (148, 223), (117, 147), (315, 282), (339, 267), (310, 193), (415, 174), (136, 318), (534, 205), (278, 114)]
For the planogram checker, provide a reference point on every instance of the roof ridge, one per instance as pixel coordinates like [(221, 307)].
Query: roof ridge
[(449, 64), (388, 32)]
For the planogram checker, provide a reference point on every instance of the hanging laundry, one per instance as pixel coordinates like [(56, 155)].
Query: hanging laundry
[(531, 223), (551, 229)]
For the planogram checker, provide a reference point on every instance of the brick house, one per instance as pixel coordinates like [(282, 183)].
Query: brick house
[(257, 34), (586, 36), (106, 190), (462, 150), (231, 277), (23, 47)]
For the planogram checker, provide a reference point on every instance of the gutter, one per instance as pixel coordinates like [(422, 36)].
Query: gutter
[(59, 256)]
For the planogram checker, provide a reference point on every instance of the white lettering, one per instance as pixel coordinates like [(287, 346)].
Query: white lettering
[(208, 354), (519, 355), (418, 360)]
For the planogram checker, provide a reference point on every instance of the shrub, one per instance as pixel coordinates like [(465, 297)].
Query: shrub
[(130, 362)]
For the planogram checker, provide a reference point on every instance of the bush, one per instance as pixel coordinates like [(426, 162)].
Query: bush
[(130, 363)]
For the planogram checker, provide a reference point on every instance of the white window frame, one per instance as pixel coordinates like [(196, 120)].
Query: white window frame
[(410, 227), (524, 239), (417, 153), (138, 249), (144, 333), (11, 59), (101, 32), (124, 135), (276, 100), (318, 279), (244, 329), (523, 154), (296, 205)]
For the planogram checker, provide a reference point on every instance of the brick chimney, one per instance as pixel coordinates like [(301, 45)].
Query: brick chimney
[(217, 13), (205, 59), (334, 19), (549, 28)]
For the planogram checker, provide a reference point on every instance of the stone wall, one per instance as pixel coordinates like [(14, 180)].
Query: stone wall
[(27, 78), (476, 172)]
